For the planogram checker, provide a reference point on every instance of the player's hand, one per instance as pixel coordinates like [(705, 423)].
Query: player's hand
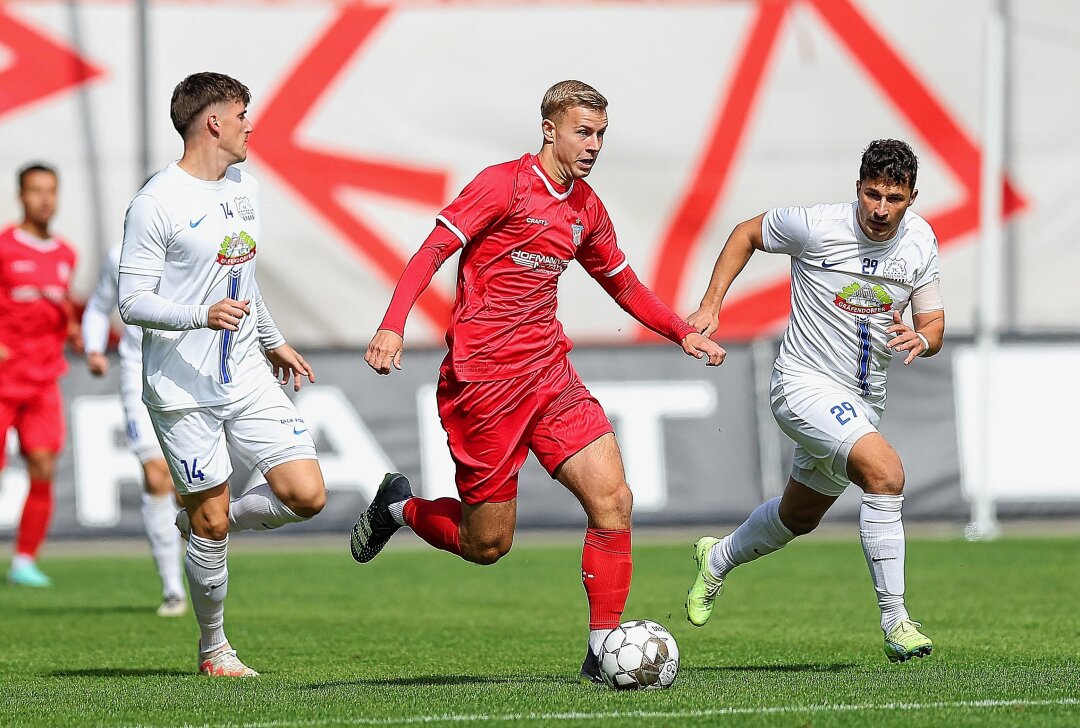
[(385, 349), (287, 362), (704, 321), (74, 337), (5, 353), (225, 315), (698, 346), (904, 339), (97, 363)]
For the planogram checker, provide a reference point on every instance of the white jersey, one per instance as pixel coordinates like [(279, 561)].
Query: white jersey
[(844, 290), (200, 237)]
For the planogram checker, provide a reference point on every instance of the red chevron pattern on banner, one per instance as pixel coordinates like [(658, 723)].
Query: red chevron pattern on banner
[(40, 66)]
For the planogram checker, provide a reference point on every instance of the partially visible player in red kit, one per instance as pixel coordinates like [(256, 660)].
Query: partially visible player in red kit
[(506, 385), (36, 318)]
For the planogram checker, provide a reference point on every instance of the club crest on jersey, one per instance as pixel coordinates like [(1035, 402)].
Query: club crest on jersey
[(537, 261), (245, 208), (577, 229), (863, 299), (236, 248), (895, 269)]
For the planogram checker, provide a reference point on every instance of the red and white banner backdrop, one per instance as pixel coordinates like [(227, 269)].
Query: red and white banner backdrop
[(370, 116)]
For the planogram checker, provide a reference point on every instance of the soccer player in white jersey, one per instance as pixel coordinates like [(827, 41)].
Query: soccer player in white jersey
[(855, 267), (158, 498), (212, 355)]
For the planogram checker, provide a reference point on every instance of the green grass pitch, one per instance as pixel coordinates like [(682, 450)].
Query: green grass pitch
[(419, 638)]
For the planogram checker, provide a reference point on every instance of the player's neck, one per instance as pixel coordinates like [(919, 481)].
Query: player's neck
[(36, 229), (552, 168), (204, 163)]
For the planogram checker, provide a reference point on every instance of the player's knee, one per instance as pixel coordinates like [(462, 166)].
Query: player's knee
[(613, 505), (214, 526), (801, 523), (884, 478), (307, 502), (487, 551), (41, 465)]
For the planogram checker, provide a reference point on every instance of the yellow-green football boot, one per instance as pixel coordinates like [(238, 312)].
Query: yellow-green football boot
[(905, 641), (706, 588)]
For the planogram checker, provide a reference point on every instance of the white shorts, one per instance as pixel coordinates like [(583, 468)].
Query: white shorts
[(825, 419), (140, 431), (263, 430)]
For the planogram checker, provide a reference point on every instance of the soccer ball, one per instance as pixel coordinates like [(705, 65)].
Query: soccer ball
[(639, 655)]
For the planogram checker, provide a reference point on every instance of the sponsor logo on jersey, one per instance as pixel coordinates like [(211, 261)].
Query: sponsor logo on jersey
[(577, 229), (895, 269), (537, 261), (536, 221), (827, 264), (245, 208), (236, 248), (23, 266), (863, 299), (195, 223)]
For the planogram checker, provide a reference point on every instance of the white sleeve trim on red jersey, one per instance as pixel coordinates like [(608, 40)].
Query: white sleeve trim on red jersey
[(618, 269), (560, 196), (450, 226)]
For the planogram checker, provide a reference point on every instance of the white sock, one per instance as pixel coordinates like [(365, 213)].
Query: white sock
[(882, 534), (20, 560), (158, 515), (760, 534), (259, 510), (596, 639), (397, 511), (208, 576)]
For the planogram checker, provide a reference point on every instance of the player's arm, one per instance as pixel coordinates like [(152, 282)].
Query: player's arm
[(928, 316), (95, 319), (740, 245), (388, 343), (637, 300), (285, 361)]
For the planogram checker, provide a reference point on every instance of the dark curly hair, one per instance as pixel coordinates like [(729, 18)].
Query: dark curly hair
[(891, 160)]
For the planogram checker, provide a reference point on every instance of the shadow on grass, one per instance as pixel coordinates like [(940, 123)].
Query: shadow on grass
[(119, 672), (835, 667), (86, 609), (441, 680)]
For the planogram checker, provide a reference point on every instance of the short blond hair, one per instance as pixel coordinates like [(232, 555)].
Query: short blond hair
[(566, 95)]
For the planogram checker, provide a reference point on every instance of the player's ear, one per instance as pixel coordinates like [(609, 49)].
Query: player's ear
[(914, 194), (213, 123), (547, 126)]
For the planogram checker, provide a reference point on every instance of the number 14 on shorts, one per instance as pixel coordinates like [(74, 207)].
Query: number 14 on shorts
[(844, 413), (193, 470)]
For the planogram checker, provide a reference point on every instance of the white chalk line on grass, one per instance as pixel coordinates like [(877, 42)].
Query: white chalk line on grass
[(601, 715)]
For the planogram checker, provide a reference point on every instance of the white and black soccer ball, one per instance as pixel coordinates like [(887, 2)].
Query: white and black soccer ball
[(639, 655)]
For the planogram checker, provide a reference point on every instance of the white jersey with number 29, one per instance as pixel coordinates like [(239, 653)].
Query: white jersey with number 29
[(844, 290), (200, 237)]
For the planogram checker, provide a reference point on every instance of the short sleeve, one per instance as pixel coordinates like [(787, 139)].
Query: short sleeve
[(483, 201), (930, 271), (146, 237), (786, 230), (599, 252)]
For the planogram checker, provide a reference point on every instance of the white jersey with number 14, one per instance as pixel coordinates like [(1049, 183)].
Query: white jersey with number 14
[(201, 238)]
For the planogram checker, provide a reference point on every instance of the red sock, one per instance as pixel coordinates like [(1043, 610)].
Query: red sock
[(606, 567), (37, 511), (435, 521)]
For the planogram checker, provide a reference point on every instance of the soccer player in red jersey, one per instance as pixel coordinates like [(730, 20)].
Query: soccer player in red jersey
[(36, 318), (506, 385)]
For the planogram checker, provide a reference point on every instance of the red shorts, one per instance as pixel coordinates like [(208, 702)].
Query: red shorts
[(38, 417), (491, 426)]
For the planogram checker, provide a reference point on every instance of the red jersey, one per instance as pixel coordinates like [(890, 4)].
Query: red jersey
[(520, 231), (34, 279)]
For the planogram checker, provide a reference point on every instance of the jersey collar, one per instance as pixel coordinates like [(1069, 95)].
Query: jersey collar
[(560, 196), (32, 241)]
